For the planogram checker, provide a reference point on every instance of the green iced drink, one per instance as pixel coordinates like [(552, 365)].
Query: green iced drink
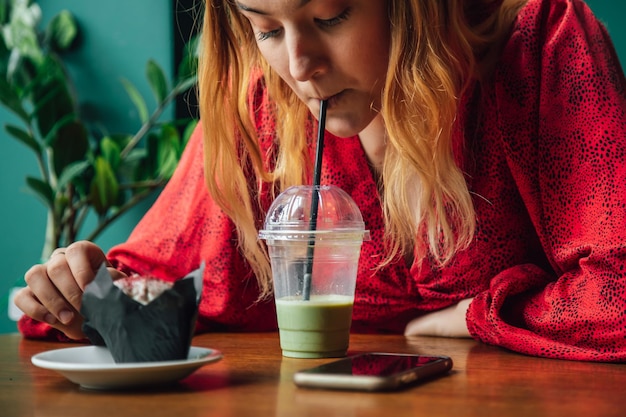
[(317, 328), (314, 257)]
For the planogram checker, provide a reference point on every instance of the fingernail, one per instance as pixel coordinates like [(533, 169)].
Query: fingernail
[(50, 319), (66, 316)]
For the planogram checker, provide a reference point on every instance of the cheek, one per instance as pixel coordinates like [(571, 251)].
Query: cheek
[(279, 63), (377, 52), (276, 59), (366, 57)]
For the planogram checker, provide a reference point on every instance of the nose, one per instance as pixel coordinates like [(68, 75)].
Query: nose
[(307, 58)]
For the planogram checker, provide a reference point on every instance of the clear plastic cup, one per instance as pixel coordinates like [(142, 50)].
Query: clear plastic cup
[(314, 267)]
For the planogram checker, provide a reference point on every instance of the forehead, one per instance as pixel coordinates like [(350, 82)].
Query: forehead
[(260, 6), (295, 3)]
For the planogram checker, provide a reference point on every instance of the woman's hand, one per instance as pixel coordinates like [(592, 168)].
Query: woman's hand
[(55, 288), (449, 322)]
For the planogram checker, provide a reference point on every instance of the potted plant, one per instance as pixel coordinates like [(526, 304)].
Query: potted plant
[(81, 169)]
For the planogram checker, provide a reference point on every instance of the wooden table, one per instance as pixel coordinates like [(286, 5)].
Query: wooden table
[(253, 379)]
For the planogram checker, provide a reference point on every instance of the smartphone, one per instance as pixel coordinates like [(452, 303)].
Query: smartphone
[(374, 371)]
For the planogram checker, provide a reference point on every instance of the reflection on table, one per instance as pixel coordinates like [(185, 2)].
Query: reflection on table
[(253, 379)]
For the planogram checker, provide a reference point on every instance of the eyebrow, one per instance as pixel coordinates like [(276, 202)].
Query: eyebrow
[(252, 10)]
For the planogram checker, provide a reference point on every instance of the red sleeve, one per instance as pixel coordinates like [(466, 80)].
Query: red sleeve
[(184, 228), (33, 329), (562, 84)]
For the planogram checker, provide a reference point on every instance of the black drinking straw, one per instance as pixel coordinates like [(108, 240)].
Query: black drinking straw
[(317, 172)]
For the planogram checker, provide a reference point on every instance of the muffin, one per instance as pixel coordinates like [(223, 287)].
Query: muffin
[(141, 318)]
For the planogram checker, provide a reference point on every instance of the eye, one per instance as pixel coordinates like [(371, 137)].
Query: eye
[(334, 21), (326, 23), (261, 36)]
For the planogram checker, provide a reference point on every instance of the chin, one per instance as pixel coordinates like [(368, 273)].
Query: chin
[(343, 128)]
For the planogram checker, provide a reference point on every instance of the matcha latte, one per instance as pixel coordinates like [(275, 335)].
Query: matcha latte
[(315, 328)]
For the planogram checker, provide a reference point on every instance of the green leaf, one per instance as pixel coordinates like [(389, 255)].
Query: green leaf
[(104, 187), (157, 80), (24, 137), (42, 189), (22, 35), (81, 183), (168, 151), (137, 100), (4, 11), (128, 168), (61, 203), (72, 171), (20, 72), (4, 50), (51, 97), (62, 31), (51, 103), (189, 129), (111, 152), (121, 139), (189, 63), (71, 144), (51, 137), (148, 168), (124, 167), (11, 100)]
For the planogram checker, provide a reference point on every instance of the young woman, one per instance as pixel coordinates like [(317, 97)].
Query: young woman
[(483, 140)]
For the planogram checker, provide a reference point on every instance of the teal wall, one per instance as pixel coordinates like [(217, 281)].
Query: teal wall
[(119, 37), (612, 13)]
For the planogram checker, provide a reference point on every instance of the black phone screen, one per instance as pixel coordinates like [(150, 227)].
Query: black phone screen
[(376, 364)]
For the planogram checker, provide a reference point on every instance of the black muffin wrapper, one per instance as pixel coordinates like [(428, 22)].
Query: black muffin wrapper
[(133, 332)]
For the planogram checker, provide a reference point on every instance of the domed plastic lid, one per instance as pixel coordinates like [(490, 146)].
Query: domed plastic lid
[(338, 216)]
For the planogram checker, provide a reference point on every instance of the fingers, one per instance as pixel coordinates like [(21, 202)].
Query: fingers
[(49, 298), (115, 274), (30, 305), (57, 251), (56, 286), (83, 258), (55, 289), (26, 301)]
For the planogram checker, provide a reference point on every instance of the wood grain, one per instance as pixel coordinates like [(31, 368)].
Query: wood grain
[(253, 379)]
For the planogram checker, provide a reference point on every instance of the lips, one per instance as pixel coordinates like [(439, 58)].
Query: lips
[(332, 99)]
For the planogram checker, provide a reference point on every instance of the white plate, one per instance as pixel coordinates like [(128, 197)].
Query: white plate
[(93, 367)]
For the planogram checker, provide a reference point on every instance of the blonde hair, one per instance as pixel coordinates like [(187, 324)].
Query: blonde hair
[(434, 57), (435, 52)]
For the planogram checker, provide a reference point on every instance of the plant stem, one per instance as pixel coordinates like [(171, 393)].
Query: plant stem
[(137, 198), (145, 128), (50, 240)]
